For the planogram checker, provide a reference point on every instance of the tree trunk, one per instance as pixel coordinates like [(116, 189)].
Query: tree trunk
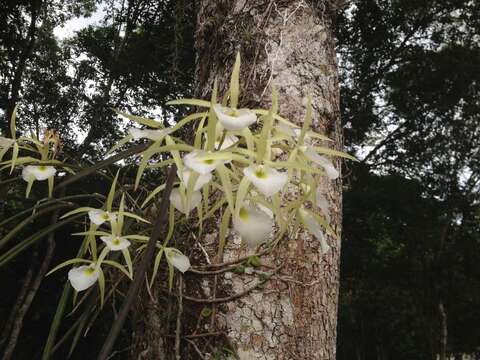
[(291, 44), (294, 315)]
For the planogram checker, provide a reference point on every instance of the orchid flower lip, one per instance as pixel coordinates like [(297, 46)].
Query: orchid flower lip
[(177, 259), (98, 216), (115, 243), (253, 225), (233, 119), (82, 277), (38, 172), (194, 161), (267, 180)]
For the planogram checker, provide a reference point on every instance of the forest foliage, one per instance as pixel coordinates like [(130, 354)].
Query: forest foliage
[(410, 111)]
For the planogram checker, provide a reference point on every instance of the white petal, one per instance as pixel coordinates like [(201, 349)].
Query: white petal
[(195, 161), (253, 225), (115, 243), (27, 174), (98, 217), (267, 180), (176, 200), (82, 277), (202, 180), (234, 119), (6, 142), (154, 135), (327, 165), (227, 142), (312, 225), (177, 259), (38, 172)]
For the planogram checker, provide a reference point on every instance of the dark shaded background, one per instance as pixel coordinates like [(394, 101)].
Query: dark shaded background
[(410, 107)]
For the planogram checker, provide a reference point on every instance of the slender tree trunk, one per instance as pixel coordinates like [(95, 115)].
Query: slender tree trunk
[(22, 62), (289, 43), (294, 315), (443, 331)]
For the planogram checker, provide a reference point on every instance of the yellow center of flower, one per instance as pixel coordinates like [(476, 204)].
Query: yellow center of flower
[(42, 168), (243, 214), (105, 216), (116, 241), (261, 174), (232, 112), (208, 161), (89, 271)]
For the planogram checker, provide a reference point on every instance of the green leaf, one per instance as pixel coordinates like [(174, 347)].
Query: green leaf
[(187, 119), (66, 263), (254, 261), (57, 318), (111, 194), (153, 194), (212, 119), (120, 143), (241, 194), (307, 122), (14, 157), (223, 232), (101, 286), (331, 152), (140, 120), (235, 83), (206, 312), (77, 211), (156, 265), (116, 265), (227, 185), (193, 102)]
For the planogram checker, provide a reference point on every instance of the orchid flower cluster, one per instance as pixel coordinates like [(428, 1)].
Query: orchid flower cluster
[(255, 168), (38, 168)]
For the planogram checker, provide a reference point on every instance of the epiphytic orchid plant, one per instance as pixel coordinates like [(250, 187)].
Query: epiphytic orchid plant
[(254, 167)]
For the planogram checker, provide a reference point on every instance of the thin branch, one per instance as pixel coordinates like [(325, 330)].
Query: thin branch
[(113, 159), (157, 233), (178, 330)]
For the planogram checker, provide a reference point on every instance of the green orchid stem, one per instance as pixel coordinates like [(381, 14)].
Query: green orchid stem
[(157, 233)]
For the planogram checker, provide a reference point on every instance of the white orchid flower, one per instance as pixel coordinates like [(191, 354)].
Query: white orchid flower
[(98, 217), (178, 201), (234, 119), (202, 179), (327, 165), (253, 225), (83, 277), (267, 180), (177, 259), (196, 161), (115, 243), (314, 228), (154, 135), (37, 172)]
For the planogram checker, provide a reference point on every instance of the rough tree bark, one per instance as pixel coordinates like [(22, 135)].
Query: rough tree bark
[(290, 43), (294, 316)]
